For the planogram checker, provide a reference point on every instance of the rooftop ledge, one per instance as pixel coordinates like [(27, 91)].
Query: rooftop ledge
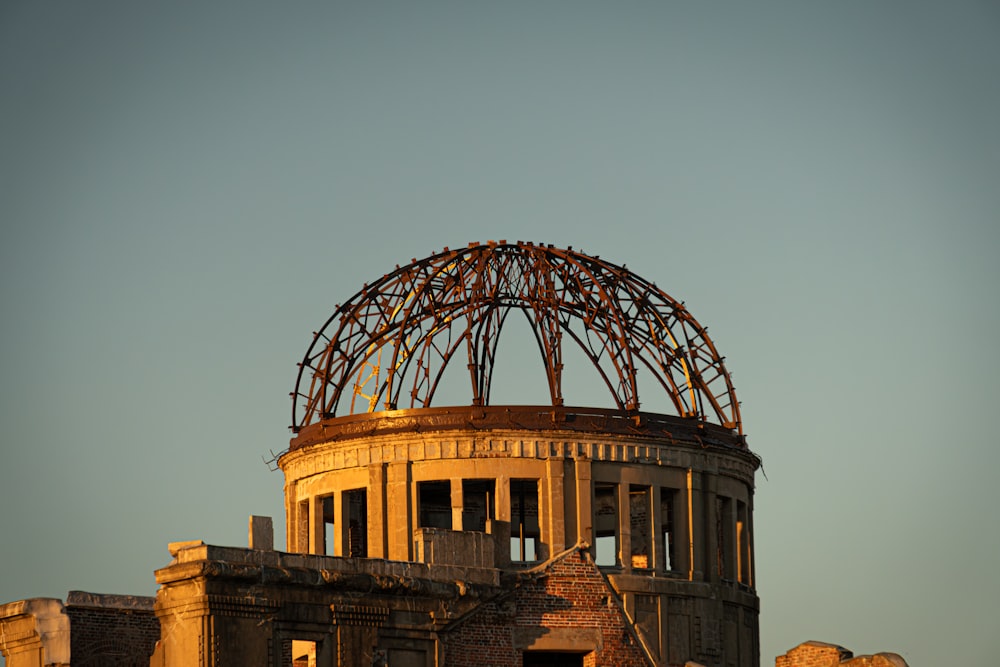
[(195, 558), (537, 418)]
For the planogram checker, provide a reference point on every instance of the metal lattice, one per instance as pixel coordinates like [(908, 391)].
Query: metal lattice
[(388, 346)]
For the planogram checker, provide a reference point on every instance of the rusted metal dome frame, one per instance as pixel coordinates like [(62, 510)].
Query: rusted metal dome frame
[(403, 330)]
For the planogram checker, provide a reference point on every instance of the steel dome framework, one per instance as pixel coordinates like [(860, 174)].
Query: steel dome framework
[(387, 348)]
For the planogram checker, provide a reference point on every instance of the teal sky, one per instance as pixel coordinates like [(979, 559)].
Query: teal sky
[(188, 189)]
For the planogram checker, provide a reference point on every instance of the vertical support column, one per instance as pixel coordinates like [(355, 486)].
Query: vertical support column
[(624, 527), (400, 528), (697, 527), (377, 519), (500, 526), (683, 543), (292, 519), (457, 504), (301, 527), (584, 503), (341, 523), (503, 503), (657, 553), (555, 524), (709, 528), (316, 525), (750, 543), (326, 654), (729, 558)]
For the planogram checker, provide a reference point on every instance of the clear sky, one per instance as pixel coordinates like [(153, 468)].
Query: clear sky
[(188, 189)]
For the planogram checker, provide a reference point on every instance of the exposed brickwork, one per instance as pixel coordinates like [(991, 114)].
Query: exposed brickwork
[(819, 654), (569, 596), (111, 630)]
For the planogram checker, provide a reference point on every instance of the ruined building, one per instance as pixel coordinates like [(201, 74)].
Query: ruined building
[(428, 525)]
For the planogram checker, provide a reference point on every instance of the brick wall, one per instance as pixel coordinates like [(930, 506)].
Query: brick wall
[(813, 654), (570, 599), (820, 654), (111, 630)]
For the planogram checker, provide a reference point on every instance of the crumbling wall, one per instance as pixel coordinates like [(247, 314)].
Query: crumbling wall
[(565, 607), (821, 654), (87, 630)]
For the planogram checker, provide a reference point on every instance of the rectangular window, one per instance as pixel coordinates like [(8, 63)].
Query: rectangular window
[(743, 550), (524, 529), (641, 526), (357, 523), (477, 503), (667, 541), (606, 524), (326, 548), (303, 653), (724, 526), (434, 504)]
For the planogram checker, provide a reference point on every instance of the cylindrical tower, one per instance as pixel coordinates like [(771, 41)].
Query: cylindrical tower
[(662, 503)]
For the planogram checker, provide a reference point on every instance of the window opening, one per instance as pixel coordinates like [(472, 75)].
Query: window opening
[(552, 659), (303, 653), (327, 547), (743, 550), (641, 529), (477, 503), (357, 523), (667, 529), (434, 504), (724, 537), (606, 524), (524, 530)]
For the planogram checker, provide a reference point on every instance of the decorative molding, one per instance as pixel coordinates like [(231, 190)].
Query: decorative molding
[(365, 615), (242, 607)]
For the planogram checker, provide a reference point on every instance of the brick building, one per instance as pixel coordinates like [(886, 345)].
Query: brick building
[(89, 628), (425, 530)]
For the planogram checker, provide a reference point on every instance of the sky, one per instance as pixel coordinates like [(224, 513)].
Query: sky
[(187, 190)]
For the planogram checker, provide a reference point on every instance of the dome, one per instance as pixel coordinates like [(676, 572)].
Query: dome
[(388, 346)]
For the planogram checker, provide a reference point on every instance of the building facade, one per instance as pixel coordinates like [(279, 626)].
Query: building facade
[(427, 528)]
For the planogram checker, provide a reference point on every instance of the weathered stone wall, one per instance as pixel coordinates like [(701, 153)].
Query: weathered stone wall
[(89, 629), (34, 632), (664, 504)]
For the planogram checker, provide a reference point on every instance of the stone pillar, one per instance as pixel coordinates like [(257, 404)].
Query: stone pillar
[(657, 554), (457, 504), (340, 525), (584, 509), (503, 501), (377, 519), (316, 525), (750, 543), (697, 528), (624, 527), (35, 632), (555, 525), (729, 519), (682, 532), (400, 515), (709, 560), (261, 533)]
